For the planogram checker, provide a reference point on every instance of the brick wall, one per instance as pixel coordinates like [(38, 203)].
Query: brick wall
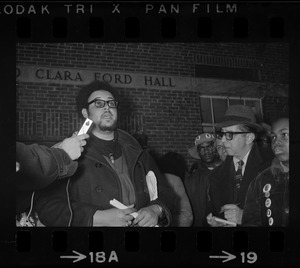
[(169, 58), (46, 112), (274, 107)]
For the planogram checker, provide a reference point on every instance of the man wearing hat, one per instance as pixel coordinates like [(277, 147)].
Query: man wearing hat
[(229, 181), (197, 184)]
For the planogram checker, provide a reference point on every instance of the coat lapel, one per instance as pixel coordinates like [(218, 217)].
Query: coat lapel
[(253, 163)]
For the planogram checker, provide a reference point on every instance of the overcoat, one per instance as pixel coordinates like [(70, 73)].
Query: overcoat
[(73, 202), (267, 200), (221, 190), (39, 167)]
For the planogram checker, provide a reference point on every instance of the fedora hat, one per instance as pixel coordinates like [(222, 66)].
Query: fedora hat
[(239, 114), (204, 137)]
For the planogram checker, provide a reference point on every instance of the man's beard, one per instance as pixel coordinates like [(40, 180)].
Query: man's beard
[(105, 127)]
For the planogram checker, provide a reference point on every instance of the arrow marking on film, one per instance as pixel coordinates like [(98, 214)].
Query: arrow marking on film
[(77, 258), (229, 256)]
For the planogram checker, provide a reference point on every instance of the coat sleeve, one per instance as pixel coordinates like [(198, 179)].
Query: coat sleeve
[(213, 205), (197, 191), (41, 165), (219, 192), (55, 208), (252, 210), (183, 216), (165, 194)]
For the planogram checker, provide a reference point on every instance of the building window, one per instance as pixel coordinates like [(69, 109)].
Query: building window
[(213, 109)]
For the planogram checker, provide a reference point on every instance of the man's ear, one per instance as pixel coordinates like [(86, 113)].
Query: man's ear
[(84, 113), (250, 138)]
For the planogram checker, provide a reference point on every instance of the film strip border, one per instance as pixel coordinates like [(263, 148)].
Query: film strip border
[(150, 21), (133, 28), (266, 22), (137, 247)]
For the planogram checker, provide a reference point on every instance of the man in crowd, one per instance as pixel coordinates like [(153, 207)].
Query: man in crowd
[(173, 166), (38, 166), (264, 142), (267, 199), (197, 184), (113, 166), (221, 150), (229, 181)]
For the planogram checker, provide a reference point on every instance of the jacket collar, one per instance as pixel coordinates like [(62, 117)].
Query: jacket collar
[(127, 142), (253, 162), (277, 166)]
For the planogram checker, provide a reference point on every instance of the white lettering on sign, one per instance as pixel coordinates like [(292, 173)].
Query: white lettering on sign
[(116, 78), (57, 75), (80, 77), (28, 73), (158, 81)]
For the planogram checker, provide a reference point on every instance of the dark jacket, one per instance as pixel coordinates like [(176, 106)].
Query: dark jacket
[(267, 200), (197, 185), (39, 167), (95, 183), (222, 181)]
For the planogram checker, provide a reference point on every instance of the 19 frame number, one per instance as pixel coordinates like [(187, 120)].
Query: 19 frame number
[(251, 257)]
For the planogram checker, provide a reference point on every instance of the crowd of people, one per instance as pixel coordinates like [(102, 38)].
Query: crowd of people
[(240, 176)]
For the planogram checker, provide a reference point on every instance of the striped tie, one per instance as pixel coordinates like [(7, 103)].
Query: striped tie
[(239, 174), (237, 179)]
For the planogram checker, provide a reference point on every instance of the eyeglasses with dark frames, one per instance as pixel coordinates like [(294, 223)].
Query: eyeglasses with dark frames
[(101, 103), (228, 134)]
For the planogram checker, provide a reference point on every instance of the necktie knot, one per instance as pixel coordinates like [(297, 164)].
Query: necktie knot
[(240, 163)]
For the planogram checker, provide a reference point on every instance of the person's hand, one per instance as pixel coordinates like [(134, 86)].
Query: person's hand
[(73, 146), (147, 216), (213, 223), (114, 217), (232, 213)]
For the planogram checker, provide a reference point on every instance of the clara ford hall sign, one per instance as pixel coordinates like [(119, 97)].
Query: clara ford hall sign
[(38, 74), (205, 86)]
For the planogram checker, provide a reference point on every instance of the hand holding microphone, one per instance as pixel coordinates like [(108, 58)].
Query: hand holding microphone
[(73, 146)]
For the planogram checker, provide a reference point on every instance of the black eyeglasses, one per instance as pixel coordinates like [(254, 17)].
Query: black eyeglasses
[(228, 135), (101, 103)]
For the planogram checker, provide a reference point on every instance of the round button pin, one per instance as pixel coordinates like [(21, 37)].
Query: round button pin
[(267, 188), (268, 202), (271, 221), (269, 212)]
